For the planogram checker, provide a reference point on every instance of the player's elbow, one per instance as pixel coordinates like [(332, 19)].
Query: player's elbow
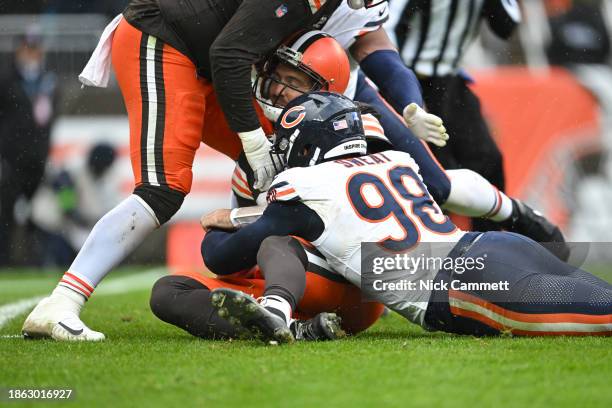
[(220, 55)]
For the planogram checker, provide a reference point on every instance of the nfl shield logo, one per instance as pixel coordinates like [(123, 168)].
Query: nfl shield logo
[(281, 11)]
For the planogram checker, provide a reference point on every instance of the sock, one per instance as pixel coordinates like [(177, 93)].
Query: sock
[(472, 195), (503, 208), (74, 287), (112, 238), (278, 306), (72, 298)]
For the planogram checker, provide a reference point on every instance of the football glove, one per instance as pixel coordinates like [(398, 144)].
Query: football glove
[(425, 126), (256, 147)]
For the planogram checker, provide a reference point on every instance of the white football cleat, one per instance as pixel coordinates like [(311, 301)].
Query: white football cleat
[(53, 318)]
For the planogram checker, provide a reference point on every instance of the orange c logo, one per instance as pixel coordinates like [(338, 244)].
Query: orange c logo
[(296, 121)]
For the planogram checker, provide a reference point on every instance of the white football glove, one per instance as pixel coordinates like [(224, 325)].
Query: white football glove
[(256, 147), (425, 126)]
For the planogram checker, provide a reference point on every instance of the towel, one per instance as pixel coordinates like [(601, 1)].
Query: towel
[(97, 70)]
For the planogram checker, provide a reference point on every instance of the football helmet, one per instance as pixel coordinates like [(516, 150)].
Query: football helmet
[(314, 53), (317, 127)]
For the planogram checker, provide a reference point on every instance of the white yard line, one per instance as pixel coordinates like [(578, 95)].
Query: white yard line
[(115, 286), (12, 310)]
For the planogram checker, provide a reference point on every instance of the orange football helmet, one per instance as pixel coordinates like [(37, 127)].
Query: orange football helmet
[(314, 53)]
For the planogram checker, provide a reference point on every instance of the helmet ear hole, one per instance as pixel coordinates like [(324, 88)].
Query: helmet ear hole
[(306, 150)]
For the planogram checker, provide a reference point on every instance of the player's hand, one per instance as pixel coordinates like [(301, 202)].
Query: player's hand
[(256, 147), (425, 126), (219, 219)]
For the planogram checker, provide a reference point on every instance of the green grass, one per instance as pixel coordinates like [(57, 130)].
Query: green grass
[(145, 362)]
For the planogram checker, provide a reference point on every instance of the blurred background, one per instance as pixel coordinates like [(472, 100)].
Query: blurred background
[(546, 93)]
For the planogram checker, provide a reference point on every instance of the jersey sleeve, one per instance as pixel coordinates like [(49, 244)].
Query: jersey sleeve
[(372, 127), (255, 30), (283, 190), (346, 25), (225, 252), (240, 185), (299, 184)]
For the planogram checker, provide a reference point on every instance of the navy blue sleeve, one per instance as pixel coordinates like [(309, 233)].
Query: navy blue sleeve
[(397, 83), (229, 252)]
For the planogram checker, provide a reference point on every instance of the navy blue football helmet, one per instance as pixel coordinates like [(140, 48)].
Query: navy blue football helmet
[(317, 127)]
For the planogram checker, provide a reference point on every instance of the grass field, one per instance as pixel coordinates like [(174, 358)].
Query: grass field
[(147, 363)]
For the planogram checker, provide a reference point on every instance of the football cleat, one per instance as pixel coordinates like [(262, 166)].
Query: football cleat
[(531, 223), (244, 312), (51, 319), (324, 326)]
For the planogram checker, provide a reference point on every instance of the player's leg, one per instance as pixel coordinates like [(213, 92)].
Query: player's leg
[(185, 302), (544, 295), (471, 145), (399, 135), (283, 263), (165, 111), (474, 196), (463, 191), (298, 284)]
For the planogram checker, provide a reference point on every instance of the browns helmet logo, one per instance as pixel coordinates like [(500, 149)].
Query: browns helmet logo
[(288, 123)]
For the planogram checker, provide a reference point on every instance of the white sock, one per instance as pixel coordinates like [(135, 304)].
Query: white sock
[(279, 304), (112, 238), (72, 299), (472, 195)]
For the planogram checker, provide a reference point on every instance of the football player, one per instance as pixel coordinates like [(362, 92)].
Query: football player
[(315, 61), (184, 72), (312, 61), (336, 196)]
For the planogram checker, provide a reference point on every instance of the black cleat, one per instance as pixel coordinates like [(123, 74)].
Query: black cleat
[(324, 326), (531, 223), (242, 311)]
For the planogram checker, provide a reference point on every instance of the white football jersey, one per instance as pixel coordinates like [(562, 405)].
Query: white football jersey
[(376, 198), (346, 25)]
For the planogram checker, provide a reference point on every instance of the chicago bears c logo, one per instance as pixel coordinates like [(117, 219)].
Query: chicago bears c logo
[(289, 124)]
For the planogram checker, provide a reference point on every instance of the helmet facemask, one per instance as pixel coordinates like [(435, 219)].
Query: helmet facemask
[(267, 76)]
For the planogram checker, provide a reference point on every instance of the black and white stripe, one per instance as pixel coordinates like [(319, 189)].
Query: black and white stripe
[(304, 41), (153, 111), (317, 264), (433, 35)]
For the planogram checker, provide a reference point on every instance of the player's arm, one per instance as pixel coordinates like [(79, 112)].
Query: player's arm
[(380, 61), (226, 252), (255, 30), (503, 16)]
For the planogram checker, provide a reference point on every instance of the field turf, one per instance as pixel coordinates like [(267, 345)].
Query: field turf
[(145, 362)]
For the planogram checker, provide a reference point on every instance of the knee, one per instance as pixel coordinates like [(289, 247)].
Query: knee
[(438, 185), (287, 246), (164, 201), (162, 299)]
